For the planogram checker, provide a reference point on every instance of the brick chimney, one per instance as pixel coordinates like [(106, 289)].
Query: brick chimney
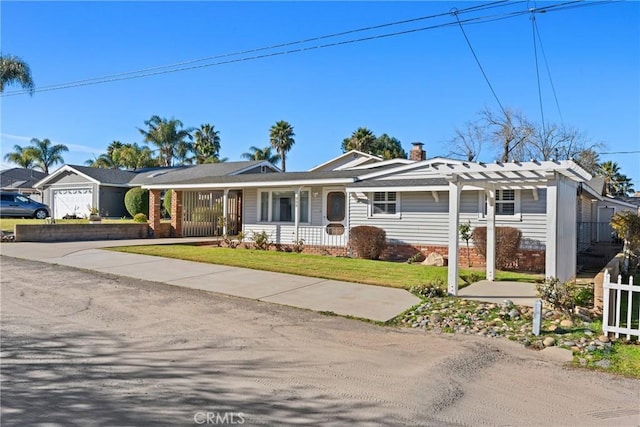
[(417, 153)]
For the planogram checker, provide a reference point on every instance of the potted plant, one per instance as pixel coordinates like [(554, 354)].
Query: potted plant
[(94, 215)]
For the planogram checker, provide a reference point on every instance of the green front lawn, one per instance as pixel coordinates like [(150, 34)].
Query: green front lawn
[(392, 274), (6, 224)]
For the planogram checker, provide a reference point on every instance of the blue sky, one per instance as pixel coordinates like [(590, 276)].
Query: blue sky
[(418, 86)]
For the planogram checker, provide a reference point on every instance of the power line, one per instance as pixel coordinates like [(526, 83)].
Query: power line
[(535, 54), (160, 70), (455, 13), (276, 46), (546, 63), (620, 152)]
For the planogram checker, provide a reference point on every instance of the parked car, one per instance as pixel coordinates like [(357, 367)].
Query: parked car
[(19, 205)]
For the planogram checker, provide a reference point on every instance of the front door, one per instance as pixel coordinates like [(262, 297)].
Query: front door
[(334, 217)]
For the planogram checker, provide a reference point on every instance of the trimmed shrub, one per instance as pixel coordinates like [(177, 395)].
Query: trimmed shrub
[(166, 202), (507, 245), (561, 296), (140, 217), (136, 201), (368, 242)]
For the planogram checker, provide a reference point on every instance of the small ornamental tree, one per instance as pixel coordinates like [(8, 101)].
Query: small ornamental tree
[(465, 234), (368, 242), (136, 201), (166, 202), (627, 225)]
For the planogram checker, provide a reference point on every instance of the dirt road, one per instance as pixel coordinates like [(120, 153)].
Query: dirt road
[(79, 348)]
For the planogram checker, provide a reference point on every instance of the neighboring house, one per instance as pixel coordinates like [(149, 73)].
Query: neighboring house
[(72, 189), (595, 210), (22, 180), (419, 203)]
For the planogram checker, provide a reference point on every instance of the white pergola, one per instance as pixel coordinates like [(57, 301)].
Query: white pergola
[(559, 178)]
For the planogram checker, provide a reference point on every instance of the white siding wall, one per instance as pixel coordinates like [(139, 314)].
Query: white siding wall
[(566, 234), (424, 221), (280, 233)]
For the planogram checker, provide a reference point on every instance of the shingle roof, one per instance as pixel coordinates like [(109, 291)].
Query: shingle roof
[(192, 172), (106, 176), (20, 178)]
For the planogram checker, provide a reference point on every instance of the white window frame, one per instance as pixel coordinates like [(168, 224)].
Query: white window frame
[(270, 191), (372, 214), (482, 206)]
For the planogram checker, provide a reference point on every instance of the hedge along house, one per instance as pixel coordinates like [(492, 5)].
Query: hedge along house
[(419, 203), (72, 189)]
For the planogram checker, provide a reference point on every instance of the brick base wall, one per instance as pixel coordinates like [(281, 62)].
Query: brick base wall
[(79, 232), (528, 260)]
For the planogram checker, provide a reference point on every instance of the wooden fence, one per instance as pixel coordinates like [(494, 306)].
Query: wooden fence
[(621, 308)]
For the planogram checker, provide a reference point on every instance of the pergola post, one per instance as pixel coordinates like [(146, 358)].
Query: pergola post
[(296, 214), (454, 221), (225, 210), (551, 249), (491, 234)]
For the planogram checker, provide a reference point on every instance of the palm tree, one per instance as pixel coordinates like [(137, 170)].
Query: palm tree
[(207, 144), (14, 70), (265, 153), (132, 156), (45, 154), (610, 171), (110, 159), (169, 137), (362, 139), (281, 138), (21, 157)]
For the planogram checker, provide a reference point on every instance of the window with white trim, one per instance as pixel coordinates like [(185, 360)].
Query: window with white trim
[(507, 203), (384, 203), (279, 206)]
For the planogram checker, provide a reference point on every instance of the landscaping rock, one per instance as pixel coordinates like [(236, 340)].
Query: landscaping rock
[(567, 323), (604, 363), (434, 259), (603, 338), (549, 342)]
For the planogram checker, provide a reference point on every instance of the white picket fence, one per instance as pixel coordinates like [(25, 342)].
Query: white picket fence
[(612, 313)]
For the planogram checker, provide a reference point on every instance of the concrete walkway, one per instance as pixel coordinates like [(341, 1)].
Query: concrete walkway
[(520, 293), (351, 299)]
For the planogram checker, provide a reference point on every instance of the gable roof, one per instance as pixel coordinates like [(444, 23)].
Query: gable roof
[(18, 178), (343, 162)]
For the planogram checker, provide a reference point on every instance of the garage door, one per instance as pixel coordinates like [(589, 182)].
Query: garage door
[(73, 201)]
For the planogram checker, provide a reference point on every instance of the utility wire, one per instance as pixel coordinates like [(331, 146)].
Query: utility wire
[(546, 63), (454, 12), (500, 3), (535, 54), (160, 70)]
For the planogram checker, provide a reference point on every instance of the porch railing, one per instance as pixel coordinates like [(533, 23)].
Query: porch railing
[(589, 232), (318, 236)]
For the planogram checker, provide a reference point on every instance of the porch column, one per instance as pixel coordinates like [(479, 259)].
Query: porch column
[(551, 247), (176, 214), (454, 222), (491, 234), (296, 221), (225, 210), (154, 212)]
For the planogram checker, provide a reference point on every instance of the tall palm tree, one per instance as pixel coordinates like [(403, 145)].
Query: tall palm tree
[(265, 153), (21, 157), (14, 70), (610, 171), (362, 139), (45, 154), (281, 138), (169, 137), (207, 144)]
